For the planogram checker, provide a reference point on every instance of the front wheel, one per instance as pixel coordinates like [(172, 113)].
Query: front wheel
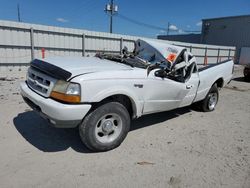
[(211, 100), (105, 127)]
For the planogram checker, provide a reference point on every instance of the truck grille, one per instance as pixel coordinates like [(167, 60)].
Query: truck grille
[(40, 82)]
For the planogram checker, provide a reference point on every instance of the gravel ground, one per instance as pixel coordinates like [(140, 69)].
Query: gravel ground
[(181, 148)]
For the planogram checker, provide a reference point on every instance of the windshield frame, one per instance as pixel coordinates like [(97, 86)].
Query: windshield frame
[(142, 47)]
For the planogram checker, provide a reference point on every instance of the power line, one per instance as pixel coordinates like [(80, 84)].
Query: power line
[(76, 13), (141, 23), (73, 10), (78, 10), (168, 29)]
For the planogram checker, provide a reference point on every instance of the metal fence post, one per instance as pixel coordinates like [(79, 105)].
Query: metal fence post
[(121, 45), (32, 43), (83, 44), (229, 53), (218, 54), (205, 57)]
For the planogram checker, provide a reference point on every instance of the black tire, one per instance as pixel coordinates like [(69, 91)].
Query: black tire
[(205, 105), (99, 120), (246, 74)]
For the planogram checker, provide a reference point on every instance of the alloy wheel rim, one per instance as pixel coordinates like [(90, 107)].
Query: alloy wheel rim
[(108, 128), (213, 98)]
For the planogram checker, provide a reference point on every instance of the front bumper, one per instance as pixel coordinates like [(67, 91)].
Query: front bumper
[(58, 114)]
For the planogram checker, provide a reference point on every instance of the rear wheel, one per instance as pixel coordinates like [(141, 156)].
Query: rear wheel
[(246, 73), (105, 127), (211, 100)]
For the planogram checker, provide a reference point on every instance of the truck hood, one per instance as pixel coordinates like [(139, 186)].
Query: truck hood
[(84, 65)]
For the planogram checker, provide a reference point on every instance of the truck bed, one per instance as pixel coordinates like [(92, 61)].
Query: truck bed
[(210, 74), (211, 65)]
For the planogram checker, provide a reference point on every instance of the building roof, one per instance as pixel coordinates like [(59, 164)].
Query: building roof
[(228, 17), (187, 34)]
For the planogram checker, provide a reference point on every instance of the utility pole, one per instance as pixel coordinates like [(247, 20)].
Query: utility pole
[(18, 13), (111, 9), (111, 17)]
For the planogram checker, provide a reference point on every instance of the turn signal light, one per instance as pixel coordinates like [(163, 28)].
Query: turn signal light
[(65, 97)]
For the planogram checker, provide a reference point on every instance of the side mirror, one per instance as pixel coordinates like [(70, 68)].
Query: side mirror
[(160, 73), (125, 50)]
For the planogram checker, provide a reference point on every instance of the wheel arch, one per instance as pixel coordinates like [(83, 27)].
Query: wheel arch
[(124, 99), (219, 82)]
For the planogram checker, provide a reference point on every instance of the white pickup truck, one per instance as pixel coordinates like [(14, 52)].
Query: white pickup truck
[(101, 94)]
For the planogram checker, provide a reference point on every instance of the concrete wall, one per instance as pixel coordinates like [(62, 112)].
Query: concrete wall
[(20, 42)]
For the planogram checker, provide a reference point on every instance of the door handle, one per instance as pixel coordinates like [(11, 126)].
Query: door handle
[(189, 86)]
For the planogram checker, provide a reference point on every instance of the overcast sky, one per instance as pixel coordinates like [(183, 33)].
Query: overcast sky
[(183, 15)]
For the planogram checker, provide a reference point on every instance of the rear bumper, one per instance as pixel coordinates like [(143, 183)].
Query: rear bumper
[(58, 114)]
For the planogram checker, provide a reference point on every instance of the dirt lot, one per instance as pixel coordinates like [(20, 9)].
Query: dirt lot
[(181, 148)]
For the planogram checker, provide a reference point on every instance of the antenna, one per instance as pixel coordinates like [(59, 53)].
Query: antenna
[(168, 28), (18, 13)]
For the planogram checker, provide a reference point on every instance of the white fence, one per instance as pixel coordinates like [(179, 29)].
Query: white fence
[(22, 42)]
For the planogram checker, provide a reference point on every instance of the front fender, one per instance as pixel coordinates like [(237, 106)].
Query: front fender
[(137, 103)]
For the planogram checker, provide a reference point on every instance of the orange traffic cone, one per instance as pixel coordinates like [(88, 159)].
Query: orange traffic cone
[(43, 53), (205, 60)]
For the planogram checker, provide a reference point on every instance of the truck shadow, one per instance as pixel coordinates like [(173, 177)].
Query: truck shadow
[(152, 119), (41, 135), (241, 79)]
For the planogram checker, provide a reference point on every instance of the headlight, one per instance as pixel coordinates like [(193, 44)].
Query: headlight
[(66, 91), (73, 89)]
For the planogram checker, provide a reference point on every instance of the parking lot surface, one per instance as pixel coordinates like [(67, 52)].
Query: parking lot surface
[(180, 148)]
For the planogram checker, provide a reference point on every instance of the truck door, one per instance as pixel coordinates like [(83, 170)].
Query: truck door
[(163, 94), (192, 85), (170, 92)]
